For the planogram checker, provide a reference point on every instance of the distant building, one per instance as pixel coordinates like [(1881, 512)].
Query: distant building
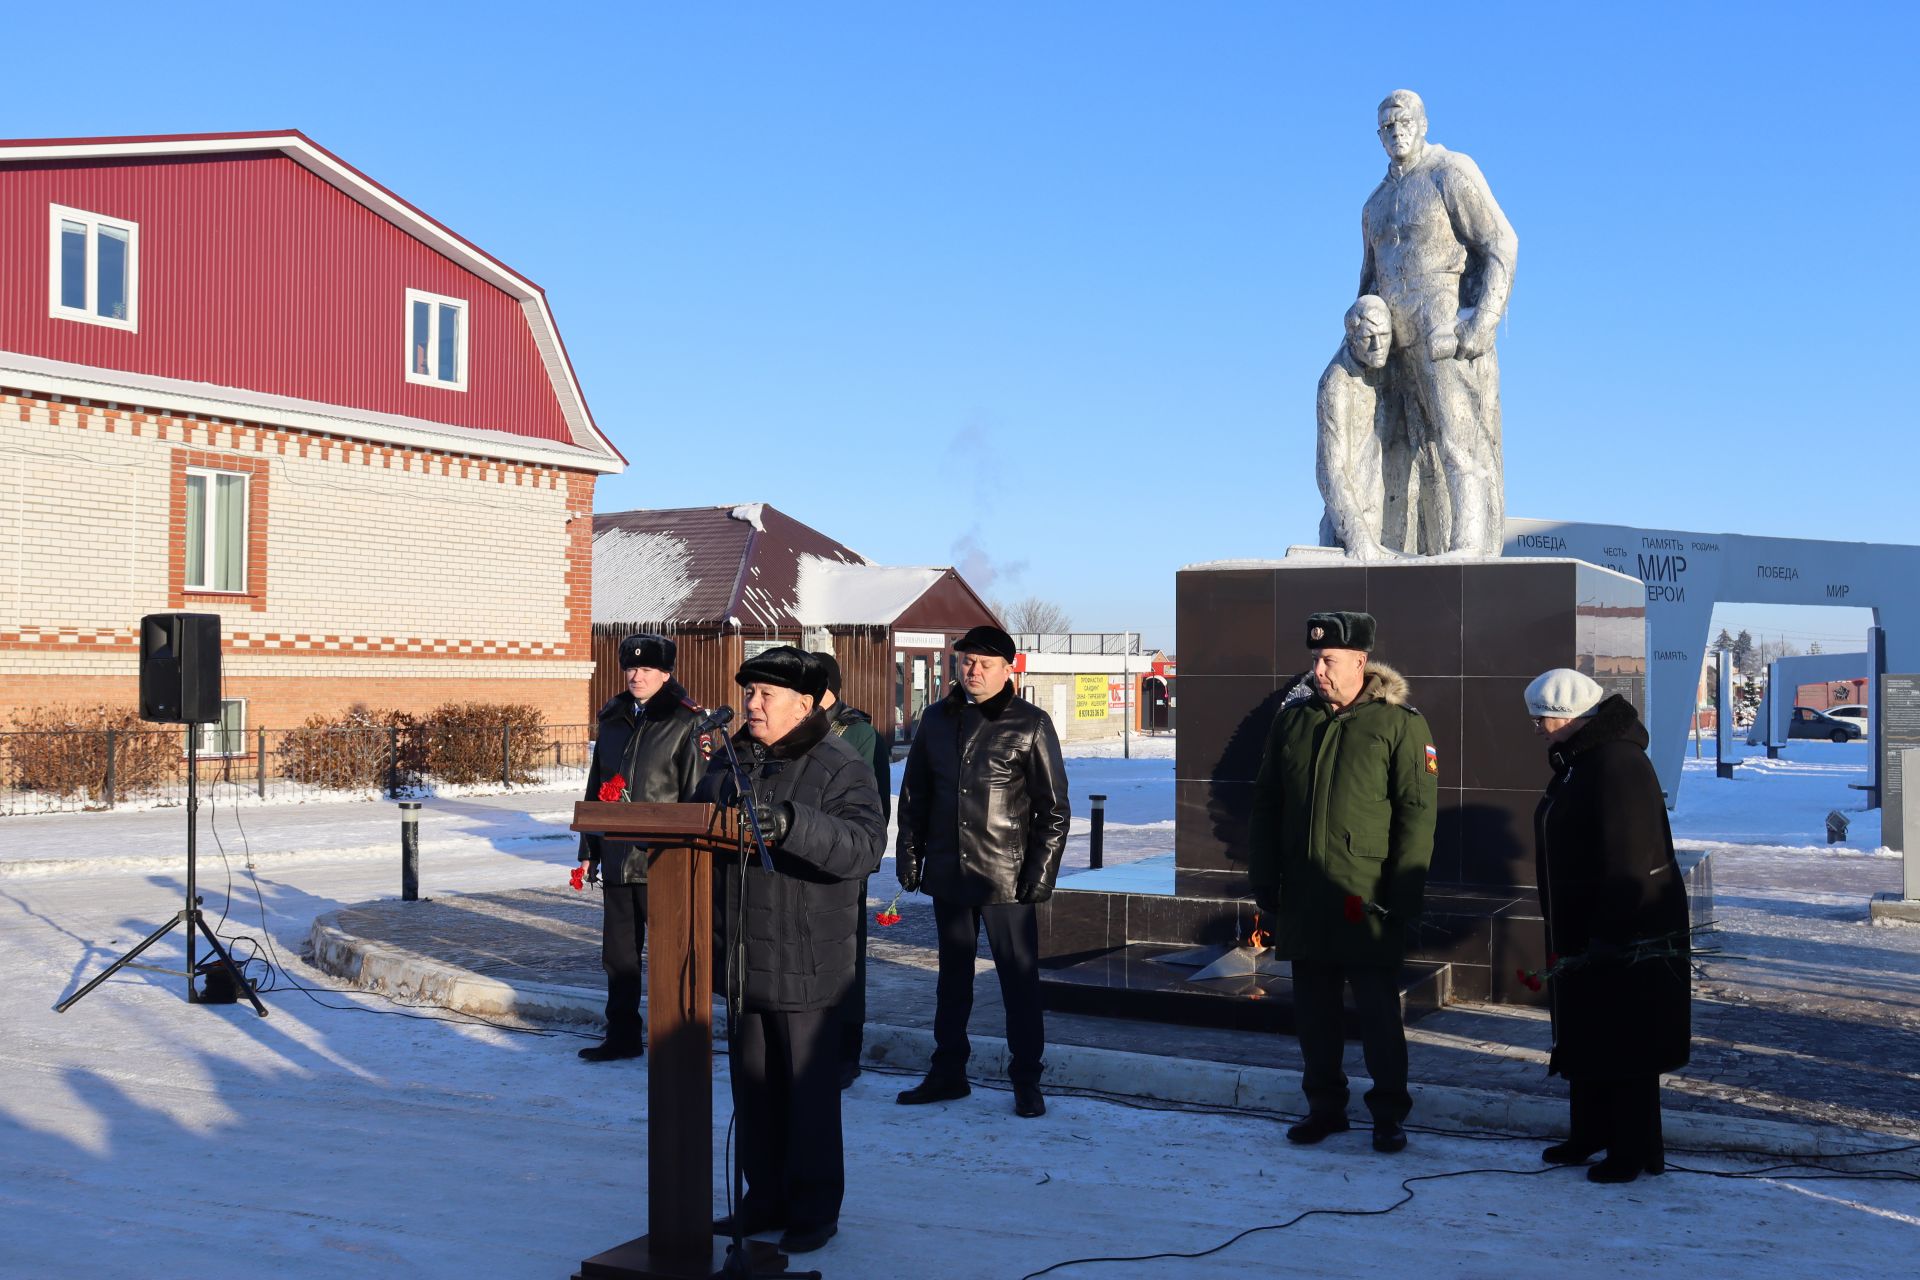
[(728, 582), (1093, 682), (238, 376)]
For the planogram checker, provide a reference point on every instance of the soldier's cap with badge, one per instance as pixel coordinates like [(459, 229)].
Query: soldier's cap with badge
[(646, 650), (987, 639), (1340, 630), (785, 667)]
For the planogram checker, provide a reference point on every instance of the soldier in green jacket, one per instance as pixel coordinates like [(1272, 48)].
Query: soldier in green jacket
[(1340, 839), (856, 726)]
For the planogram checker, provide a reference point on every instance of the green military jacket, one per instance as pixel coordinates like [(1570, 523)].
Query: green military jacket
[(1343, 808)]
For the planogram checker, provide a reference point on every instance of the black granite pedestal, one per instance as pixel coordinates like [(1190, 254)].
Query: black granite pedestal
[(1468, 636)]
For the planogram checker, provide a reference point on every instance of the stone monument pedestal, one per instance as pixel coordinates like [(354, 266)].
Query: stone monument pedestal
[(1468, 635)]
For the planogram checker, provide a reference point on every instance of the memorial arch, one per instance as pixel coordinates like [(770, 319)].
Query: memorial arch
[(1686, 574)]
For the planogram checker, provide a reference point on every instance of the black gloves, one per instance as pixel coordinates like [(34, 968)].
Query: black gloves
[(906, 869), (1267, 898), (776, 820), (1032, 892)]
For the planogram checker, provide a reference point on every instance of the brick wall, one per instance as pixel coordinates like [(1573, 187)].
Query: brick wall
[(416, 575)]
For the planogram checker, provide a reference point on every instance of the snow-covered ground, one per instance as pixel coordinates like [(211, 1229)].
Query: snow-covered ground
[(140, 1136)]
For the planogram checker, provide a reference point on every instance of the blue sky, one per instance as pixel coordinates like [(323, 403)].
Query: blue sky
[(1044, 289)]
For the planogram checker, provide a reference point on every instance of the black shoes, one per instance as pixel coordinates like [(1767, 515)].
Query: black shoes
[(1389, 1137), (1028, 1101), (1626, 1168), (613, 1050), (935, 1088), (807, 1239), (1316, 1127), (1569, 1152), (848, 1074), (751, 1224)]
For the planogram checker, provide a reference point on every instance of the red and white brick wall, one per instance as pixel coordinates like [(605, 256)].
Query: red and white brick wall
[(377, 574)]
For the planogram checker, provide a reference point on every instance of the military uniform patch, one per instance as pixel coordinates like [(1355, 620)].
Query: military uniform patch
[(1433, 759), (706, 746)]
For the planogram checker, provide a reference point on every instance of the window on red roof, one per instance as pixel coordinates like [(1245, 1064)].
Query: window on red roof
[(93, 268), (436, 334)]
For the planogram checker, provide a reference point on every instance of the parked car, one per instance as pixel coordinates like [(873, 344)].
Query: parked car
[(1808, 723), (1852, 713)]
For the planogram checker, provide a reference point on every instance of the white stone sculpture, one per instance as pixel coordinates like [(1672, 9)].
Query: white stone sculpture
[(1439, 254)]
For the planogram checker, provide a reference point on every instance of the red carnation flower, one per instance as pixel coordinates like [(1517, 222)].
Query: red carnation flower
[(1531, 980), (614, 788), (1356, 908), (579, 877), (889, 915)]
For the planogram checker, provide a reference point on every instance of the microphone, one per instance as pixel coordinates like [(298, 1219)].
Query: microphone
[(714, 719)]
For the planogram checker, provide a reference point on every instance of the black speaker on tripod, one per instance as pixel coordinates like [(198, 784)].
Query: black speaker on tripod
[(180, 668), (180, 684)]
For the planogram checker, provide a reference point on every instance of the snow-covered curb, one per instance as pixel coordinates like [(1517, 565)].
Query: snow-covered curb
[(375, 966), (1195, 1082)]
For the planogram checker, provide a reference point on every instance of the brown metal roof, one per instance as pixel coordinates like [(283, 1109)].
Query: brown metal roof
[(703, 565)]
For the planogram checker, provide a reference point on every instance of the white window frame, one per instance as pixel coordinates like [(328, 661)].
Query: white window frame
[(58, 213), (435, 301), (207, 529), (210, 734)]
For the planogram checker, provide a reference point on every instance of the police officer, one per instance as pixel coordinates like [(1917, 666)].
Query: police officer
[(645, 750), (1340, 839)]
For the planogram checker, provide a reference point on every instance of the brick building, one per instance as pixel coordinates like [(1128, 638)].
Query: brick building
[(239, 377)]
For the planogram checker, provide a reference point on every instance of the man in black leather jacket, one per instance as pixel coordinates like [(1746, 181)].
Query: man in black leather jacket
[(644, 750), (983, 823)]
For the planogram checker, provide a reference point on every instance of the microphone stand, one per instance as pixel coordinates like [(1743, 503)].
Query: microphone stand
[(739, 1263)]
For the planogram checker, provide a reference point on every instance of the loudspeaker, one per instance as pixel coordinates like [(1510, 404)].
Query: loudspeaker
[(180, 668)]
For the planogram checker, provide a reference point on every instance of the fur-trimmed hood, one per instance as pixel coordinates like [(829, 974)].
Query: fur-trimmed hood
[(1383, 684)]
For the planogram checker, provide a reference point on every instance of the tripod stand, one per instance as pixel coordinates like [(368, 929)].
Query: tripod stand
[(191, 916)]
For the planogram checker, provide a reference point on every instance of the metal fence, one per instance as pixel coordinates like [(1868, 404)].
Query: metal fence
[(52, 771), (1078, 642)]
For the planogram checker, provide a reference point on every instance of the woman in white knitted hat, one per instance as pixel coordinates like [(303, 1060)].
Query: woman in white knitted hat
[(1616, 913)]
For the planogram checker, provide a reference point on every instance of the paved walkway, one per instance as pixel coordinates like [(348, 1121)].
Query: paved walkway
[(1807, 1019)]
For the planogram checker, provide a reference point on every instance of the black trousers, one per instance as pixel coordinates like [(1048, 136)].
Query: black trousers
[(1013, 935), (786, 1095), (623, 940), (1620, 1116), (853, 1009), (1320, 1021)]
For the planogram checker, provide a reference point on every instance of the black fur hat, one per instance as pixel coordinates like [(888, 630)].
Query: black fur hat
[(830, 665), (1340, 631), (646, 650), (787, 667)]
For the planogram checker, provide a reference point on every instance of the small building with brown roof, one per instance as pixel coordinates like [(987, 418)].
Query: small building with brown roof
[(727, 582)]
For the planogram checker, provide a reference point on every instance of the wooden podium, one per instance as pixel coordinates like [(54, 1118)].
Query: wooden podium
[(682, 839)]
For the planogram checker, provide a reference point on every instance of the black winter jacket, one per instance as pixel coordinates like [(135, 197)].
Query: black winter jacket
[(1608, 881), (801, 916), (983, 805), (658, 754)]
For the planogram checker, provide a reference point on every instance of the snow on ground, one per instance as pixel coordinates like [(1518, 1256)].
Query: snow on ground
[(140, 1136), (1779, 803)]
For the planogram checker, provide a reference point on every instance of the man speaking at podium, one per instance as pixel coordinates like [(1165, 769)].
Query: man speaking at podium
[(819, 812)]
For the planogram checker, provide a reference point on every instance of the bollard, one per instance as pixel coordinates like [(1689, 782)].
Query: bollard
[(1096, 839), (409, 851)]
